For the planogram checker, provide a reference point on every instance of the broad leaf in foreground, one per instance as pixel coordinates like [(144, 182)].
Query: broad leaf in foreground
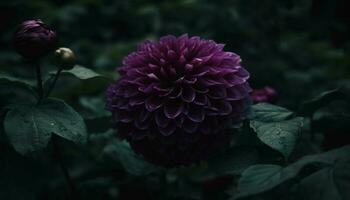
[(261, 178), (121, 152), (268, 112), (281, 136), (275, 128), (331, 182), (29, 127)]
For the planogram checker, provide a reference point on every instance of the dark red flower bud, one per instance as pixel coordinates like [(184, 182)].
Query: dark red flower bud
[(33, 39), (266, 94)]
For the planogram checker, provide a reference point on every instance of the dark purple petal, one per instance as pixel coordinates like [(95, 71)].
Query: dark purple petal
[(138, 100), (172, 55), (144, 115), (153, 103), (121, 104), (188, 94), (222, 107), (217, 93), (196, 113), (201, 99), (179, 121), (173, 109), (147, 88), (233, 79), (139, 134), (234, 94), (190, 126), (243, 73), (125, 116), (176, 93), (142, 125), (168, 130), (161, 120), (130, 92)]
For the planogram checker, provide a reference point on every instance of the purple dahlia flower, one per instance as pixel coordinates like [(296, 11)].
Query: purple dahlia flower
[(33, 39), (177, 98)]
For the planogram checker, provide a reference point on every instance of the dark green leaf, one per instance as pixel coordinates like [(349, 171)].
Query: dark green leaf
[(321, 100), (25, 129), (257, 179), (121, 152), (260, 178), (331, 182), (79, 81), (231, 162), (93, 107), (29, 127), (5, 79), (268, 112), (82, 73), (281, 136)]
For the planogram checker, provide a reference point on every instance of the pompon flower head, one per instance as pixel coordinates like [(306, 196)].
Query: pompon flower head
[(33, 39), (177, 99)]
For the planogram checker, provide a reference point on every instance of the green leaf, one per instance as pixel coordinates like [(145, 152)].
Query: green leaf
[(331, 182), (93, 107), (275, 128), (29, 127), (257, 179), (121, 152), (269, 112), (5, 79), (79, 81), (231, 162), (261, 178), (281, 136), (82, 73), (321, 100)]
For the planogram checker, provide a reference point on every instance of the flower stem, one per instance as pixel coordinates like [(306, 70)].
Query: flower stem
[(52, 85), (73, 189), (39, 82)]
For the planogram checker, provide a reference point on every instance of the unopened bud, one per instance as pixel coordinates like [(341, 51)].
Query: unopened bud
[(65, 57), (34, 39)]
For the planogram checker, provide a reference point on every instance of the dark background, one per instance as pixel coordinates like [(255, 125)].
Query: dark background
[(298, 47)]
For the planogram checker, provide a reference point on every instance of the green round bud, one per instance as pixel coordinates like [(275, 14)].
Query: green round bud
[(65, 57)]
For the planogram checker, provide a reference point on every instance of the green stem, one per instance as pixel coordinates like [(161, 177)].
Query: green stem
[(52, 85), (73, 189), (312, 126), (39, 82)]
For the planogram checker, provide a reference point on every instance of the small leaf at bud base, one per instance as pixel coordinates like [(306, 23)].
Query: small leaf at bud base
[(65, 57)]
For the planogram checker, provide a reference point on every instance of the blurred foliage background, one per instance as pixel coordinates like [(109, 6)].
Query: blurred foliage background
[(298, 47)]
